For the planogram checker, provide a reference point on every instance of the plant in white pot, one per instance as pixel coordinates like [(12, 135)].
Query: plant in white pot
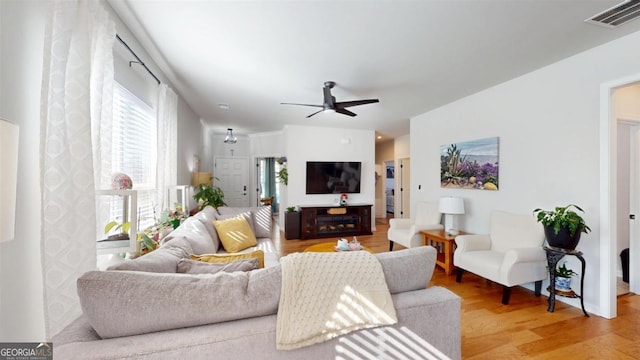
[(562, 226), (563, 277)]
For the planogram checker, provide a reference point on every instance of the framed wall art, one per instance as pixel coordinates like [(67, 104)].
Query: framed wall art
[(470, 164)]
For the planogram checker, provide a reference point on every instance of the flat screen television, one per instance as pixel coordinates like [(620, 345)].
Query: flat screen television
[(333, 177)]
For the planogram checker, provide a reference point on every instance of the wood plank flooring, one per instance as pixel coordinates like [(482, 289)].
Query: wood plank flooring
[(524, 328)]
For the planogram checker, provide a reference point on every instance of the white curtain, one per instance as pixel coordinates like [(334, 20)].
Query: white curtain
[(167, 143), (76, 94)]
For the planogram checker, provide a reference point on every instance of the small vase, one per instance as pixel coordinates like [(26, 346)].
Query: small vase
[(563, 284)]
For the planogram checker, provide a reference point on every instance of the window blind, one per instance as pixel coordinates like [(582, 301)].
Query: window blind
[(134, 148)]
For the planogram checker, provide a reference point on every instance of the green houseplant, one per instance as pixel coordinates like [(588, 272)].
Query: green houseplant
[(209, 195), (283, 175), (114, 225), (562, 226), (563, 277)]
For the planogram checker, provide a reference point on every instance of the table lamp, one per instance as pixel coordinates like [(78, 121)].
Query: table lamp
[(204, 178), (451, 206)]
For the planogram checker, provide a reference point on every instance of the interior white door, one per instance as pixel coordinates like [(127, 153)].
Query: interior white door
[(231, 174)]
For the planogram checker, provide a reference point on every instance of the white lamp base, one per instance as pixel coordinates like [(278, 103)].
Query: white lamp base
[(450, 224)]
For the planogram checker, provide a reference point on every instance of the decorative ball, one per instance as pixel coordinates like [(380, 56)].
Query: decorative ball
[(121, 181)]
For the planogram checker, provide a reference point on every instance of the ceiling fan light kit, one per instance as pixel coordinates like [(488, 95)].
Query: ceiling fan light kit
[(330, 104)]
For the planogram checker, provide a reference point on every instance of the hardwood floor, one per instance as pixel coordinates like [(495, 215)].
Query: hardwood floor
[(524, 328)]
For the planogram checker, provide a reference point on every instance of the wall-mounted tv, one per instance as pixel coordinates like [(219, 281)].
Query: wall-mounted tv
[(333, 177)]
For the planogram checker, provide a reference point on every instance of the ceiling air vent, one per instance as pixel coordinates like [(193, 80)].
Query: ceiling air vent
[(617, 15)]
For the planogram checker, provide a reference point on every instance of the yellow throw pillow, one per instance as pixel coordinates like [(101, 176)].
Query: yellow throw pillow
[(235, 234), (229, 258)]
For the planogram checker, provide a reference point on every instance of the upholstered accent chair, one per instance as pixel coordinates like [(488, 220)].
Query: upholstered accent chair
[(510, 255), (406, 232)]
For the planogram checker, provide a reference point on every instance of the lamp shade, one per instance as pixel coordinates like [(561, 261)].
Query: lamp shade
[(451, 205), (203, 178), (8, 179)]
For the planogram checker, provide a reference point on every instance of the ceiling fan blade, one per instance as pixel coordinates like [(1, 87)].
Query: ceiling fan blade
[(319, 111), (346, 112), (302, 104), (346, 104)]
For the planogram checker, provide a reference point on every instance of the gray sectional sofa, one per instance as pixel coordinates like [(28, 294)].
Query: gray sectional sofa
[(165, 315)]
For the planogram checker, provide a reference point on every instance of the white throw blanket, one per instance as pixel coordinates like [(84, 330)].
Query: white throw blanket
[(325, 295)]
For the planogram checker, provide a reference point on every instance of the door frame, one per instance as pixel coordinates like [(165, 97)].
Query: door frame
[(608, 211), (403, 183)]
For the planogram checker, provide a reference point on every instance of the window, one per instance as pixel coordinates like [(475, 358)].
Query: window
[(134, 148)]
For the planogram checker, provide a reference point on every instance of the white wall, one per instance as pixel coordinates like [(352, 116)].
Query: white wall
[(548, 125), (21, 46), (306, 143)]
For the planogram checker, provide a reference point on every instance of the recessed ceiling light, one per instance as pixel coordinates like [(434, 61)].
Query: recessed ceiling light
[(379, 137), (223, 106)]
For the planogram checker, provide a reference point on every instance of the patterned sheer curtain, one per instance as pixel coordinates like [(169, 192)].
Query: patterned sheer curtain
[(76, 96), (167, 142)]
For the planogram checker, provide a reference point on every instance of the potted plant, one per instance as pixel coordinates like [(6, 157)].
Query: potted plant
[(563, 277), (562, 226), (292, 223), (283, 175), (209, 195), (146, 244), (114, 225)]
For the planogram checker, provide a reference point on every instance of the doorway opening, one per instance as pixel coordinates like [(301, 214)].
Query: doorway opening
[(389, 189), (268, 189), (610, 213)]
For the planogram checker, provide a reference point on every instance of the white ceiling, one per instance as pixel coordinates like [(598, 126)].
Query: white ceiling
[(413, 55)]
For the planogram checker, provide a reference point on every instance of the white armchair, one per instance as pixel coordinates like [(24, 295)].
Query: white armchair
[(510, 255), (406, 232)]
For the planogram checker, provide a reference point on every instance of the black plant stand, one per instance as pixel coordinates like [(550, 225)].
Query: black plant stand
[(553, 256)]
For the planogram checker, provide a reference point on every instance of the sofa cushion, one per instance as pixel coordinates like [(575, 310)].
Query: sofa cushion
[(123, 303), (193, 231), (163, 260), (260, 218), (408, 270), (227, 258), (207, 216), (246, 214), (235, 234), (188, 266)]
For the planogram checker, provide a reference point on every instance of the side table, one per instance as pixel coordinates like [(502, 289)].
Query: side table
[(445, 259), (553, 256)]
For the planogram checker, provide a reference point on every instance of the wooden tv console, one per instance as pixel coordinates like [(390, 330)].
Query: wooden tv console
[(335, 221)]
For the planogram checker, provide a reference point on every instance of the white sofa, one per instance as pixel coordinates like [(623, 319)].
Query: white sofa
[(511, 254)]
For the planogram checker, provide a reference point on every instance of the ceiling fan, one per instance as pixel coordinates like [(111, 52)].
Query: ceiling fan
[(330, 103)]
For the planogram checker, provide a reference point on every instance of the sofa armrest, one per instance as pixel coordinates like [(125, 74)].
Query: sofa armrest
[(400, 223), (523, 255), (466, 243)]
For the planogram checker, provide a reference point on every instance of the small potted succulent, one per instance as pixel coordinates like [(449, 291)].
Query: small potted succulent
[(563, 277), (562, 226)]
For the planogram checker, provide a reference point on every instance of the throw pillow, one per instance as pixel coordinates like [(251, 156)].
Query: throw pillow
[(235, 234), (226, 212), (227, 258), (187, 266)]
